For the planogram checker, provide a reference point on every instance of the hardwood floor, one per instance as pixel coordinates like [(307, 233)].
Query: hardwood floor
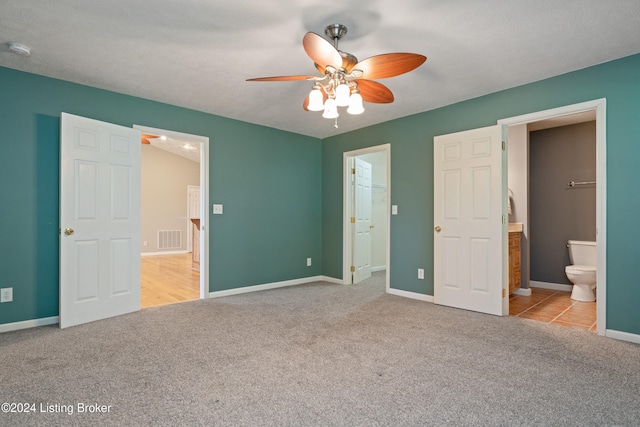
[(167, 279)]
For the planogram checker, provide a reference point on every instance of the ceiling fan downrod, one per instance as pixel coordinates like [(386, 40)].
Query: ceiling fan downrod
[(335, 32)]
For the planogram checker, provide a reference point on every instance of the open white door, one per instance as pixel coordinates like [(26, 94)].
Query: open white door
[(362, 226), (99, 220), (470, 230)]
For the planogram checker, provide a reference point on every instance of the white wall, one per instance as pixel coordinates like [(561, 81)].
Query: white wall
[(165, 178), (518, 184)]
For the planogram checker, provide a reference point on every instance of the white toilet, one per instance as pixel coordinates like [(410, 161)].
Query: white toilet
[(582, 272)]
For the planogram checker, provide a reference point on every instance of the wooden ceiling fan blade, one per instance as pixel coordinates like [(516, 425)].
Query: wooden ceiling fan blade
[(281, 78), (145, 138), (321, 51), (389, 65), (374, 92)]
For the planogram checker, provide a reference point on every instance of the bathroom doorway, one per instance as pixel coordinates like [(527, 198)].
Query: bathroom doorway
[(538, 298)]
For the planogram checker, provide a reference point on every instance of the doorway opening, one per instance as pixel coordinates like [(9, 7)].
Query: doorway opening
[(174, 244), (520, 197), (366, 209)]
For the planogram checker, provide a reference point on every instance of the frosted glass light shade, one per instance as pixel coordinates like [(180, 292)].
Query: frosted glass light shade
[(342, 95), (315, 100), (355, 103), (330, 109)]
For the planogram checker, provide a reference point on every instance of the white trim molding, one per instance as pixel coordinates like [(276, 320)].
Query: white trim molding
[(525, 292), (600, 108), (553, 286), (26, 324), (411, 295), (622, 336), (204, 196), (346, 223), (274, 285)]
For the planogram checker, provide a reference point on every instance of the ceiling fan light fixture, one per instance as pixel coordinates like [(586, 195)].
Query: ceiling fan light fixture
[(345, 81), (355, 103), (342, 94), (315, 99), (330, 109)]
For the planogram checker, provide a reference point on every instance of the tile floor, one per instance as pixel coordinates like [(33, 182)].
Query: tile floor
[(557, 307)]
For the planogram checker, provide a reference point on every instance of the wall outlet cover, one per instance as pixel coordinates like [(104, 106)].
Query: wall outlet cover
[(421, 273), (308, 262), (6, 294)]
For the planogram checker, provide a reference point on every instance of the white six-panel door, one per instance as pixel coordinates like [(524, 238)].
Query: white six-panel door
[(99, 220), (469, 232), (362, 214)]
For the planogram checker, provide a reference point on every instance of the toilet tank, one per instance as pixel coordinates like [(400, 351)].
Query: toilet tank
[(583, 253)]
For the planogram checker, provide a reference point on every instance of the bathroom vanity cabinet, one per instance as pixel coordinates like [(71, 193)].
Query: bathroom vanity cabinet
[(514, 258)]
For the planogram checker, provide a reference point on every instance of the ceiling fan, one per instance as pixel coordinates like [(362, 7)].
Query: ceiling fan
[(345, 82)]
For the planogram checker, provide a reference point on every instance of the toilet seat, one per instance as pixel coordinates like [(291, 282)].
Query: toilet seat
[(580, 269)]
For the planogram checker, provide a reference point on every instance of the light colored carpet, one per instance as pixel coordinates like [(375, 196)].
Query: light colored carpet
[(320, 354)]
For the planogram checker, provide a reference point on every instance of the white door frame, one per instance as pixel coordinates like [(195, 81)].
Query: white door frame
[(600, 107), (347, 244), (203, 141)]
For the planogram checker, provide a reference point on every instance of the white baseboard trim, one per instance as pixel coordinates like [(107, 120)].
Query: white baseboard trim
[(26, 324), (379, 268), (522, 291), (412, 295), (554, 286), (164, 253), (274, 285), (330, 280), (622, 336)]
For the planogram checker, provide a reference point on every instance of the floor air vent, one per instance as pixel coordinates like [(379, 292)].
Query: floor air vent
[(169, 239)]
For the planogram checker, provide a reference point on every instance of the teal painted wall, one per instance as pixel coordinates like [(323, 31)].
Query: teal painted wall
[(269, 182), (411, 140)]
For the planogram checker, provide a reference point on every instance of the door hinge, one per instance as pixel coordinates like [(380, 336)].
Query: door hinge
[(353, 268), (504, 221), (504, 293), (353, 171), (504, 145), (353, 220)]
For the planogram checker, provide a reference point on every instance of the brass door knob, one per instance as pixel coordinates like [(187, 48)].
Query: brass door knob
[(68, 231), (438, 229), (371, 226)]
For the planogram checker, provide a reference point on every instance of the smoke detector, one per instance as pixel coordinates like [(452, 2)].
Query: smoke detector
[(19, 49)]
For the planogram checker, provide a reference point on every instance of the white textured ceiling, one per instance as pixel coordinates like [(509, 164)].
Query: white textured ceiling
[(198, 53)]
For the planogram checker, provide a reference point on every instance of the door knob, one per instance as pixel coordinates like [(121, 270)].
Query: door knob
[(68, 231), (438, 229), (371, 226)]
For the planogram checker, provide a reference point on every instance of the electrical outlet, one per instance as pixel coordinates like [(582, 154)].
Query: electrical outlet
[(421, 273), (308, 262), (6, 294)]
